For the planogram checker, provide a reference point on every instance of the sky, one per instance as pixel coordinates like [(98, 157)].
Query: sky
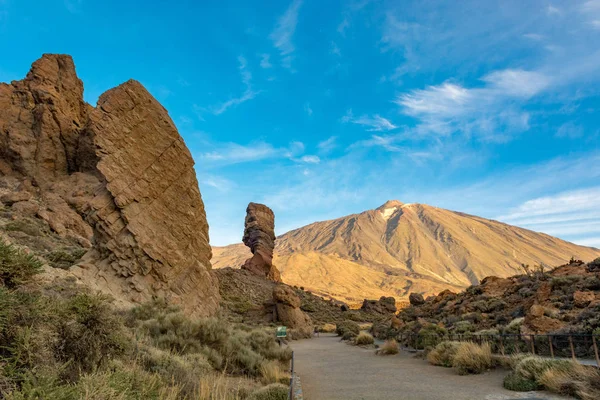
[(322, 109)]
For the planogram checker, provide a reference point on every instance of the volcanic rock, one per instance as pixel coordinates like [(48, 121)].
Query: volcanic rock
[(385, 305), (416, 299), (583, 299), (288, 312), (118, 177), (259, 236)]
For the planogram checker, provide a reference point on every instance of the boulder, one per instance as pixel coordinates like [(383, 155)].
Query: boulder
[(583, 299), (344, 307), (259, 236), (117, 176), (385, 305), (537, 323), (288, 312), (15, 197), (416, 299)]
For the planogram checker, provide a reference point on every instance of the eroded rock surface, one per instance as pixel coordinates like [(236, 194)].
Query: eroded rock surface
[(288, 312), (259, 236), (117, 178)]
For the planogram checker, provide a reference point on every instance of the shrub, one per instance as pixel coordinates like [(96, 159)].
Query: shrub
[(327, 328), (272, 372), (443, 354), (533, 367), (516, 382), (389, 347), (347, 329), (16, 266), (471, 358), (364, 338), (430, 335), (89, 334), (274, 391)]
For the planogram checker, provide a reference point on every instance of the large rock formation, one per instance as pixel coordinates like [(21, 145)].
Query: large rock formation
[(288, 312), (117, 178), (259, 236)]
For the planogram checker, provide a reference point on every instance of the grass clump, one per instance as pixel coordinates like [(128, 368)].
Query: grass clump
[(443, 354), (430, 335), (389, 347), (275, 391), (327, 328), (364, 339), (16, 266), (471, 358)]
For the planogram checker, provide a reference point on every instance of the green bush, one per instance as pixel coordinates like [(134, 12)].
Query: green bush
[(347, 329), (516, 382), (430, 335), (274, 391), (16, 266), (89, 334)]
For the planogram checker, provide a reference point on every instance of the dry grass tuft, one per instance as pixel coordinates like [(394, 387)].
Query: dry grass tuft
[(443, 354), (273, 372), (389, 347), (471, 358), (327, 328), (364, 338)]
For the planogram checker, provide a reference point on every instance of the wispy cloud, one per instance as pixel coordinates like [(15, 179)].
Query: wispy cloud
[(221, 184), (552, 10), (235, 153), (248, 94), (307, 109), (328, 145), (282, 35), (574, 214), (570, 130), (335, 50), (265, 61), (450, 107), (373, 123)]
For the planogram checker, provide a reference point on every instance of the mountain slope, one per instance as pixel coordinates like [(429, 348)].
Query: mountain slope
[(401, 248)]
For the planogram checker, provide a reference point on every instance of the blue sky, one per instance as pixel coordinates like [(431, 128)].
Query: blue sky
[(322, 109)]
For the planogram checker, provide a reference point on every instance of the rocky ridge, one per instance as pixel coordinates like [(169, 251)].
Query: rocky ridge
[(116, 179)]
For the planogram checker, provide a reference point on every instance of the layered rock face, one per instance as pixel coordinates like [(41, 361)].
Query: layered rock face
[(259, 236), (117, 177)]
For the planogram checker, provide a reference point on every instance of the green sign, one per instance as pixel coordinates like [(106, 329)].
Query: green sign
[(281, 331)]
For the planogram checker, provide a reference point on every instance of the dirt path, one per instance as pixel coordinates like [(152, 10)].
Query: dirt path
[(331, 370)]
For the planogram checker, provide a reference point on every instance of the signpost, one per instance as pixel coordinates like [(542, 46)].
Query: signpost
[(281, 332)]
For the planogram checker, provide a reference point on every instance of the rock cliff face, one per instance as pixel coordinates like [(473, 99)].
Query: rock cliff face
[(118, 178), (259, 236)]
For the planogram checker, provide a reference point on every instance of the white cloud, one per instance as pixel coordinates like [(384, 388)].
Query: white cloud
[(248, 94), (233, 153), (571, 214), (310, 159), (265, 61), (534, 36), (307, 109), (283, 33), (217, 182), (373, 123), (341, 28), (488, 111), (569, 130), (335, 50), (327, 145), (552, 10)]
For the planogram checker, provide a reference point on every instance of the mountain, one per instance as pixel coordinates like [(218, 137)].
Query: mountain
[(401, 248)]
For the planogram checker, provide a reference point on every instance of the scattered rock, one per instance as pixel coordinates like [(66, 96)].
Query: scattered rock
[(537, 323), (15, 197), (259, 236), (26, 208), (583, 299), (344, 307), (385, 305), (416, 299)]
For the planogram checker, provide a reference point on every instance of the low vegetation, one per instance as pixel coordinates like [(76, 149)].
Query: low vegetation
[(347, 329), (62, 342), (364, 339), (471, 358), (443, 354), (558, 376), (389, 347)]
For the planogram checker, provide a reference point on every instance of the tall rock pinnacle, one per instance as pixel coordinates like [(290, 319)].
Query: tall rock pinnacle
[(259, 235)]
